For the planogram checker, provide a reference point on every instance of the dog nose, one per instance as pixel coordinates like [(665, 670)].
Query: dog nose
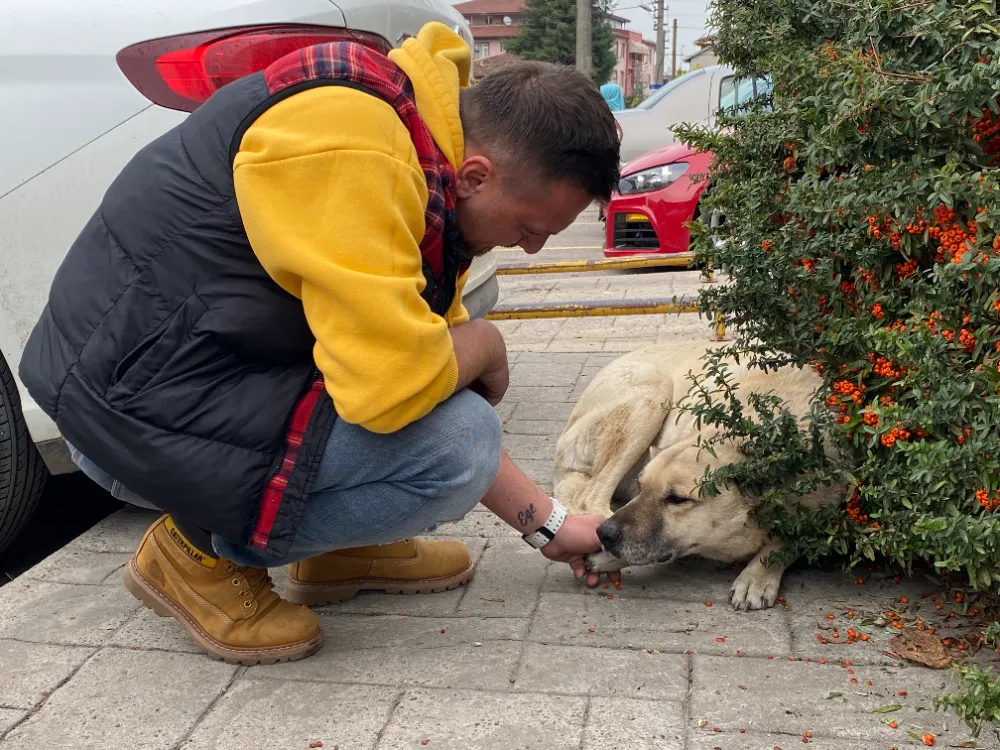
[(610, 534)]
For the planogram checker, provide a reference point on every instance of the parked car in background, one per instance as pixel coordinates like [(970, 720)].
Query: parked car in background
[(694, 98), (86, 84), (657, 195), (660, 191)]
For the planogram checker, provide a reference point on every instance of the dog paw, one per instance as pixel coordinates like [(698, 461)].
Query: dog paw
[(755, 588), (603, 562)]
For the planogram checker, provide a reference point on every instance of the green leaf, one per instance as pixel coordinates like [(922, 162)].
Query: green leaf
[(887, 709)]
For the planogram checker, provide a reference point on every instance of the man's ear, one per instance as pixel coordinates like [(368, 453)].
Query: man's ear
[(473, 174)]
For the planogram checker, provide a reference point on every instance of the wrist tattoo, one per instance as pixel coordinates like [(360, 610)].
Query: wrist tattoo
[(526, 516)]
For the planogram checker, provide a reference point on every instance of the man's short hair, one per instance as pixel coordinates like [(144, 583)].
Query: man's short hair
[(547, 120)]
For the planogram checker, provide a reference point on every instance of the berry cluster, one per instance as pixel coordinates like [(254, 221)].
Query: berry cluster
[(984, 499)]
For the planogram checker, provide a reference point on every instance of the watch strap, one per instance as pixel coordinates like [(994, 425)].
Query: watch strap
[(547, 532)]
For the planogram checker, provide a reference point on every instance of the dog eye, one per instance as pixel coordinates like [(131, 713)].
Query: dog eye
[(674, 499)]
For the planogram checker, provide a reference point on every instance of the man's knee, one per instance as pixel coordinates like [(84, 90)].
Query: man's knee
[(475, 436)]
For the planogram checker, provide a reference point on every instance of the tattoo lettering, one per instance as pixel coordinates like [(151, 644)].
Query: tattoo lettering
[(526, 516)]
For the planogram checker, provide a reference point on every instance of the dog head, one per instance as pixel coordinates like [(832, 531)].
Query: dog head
[(668, 520)]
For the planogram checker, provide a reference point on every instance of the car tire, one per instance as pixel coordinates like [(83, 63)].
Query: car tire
[(23, 473)]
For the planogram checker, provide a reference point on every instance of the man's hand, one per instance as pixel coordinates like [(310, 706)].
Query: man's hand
[(493, 383), (482, 360), (574, 541), (522, 504)]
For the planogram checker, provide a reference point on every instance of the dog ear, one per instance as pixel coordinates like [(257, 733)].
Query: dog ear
[(654, 451)]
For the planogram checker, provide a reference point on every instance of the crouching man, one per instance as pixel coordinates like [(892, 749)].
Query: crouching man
[(260, 331)]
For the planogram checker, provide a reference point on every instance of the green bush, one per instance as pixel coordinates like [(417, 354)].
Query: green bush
[(861, 235)]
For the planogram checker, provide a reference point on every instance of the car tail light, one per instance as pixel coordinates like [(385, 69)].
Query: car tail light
[(181, 72)]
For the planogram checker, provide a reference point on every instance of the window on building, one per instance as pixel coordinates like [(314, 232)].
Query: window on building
[(481, 50)]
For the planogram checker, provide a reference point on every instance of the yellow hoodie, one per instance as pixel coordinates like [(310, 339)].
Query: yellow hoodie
[(333, 198)]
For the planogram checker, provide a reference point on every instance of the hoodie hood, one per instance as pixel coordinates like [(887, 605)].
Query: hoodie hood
[(438, 63)]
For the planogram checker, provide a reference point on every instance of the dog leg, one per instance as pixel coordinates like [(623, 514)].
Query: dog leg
[(603, 562), (625, 436), (756, 587)]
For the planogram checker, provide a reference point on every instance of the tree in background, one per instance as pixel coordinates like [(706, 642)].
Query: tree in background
[(548, 33), (862, 236)]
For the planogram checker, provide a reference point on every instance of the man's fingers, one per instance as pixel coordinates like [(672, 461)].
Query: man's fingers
[(593, 579)]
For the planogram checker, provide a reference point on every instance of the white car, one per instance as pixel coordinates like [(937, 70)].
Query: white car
[(83, 86), (693, 98)]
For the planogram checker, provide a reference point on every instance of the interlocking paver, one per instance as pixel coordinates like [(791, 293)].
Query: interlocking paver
[(524, 394), (9, 717), (147, 630), (530, 446), (551, 358), (550, 412), (43, 612), (120, 532), (604, 672), (708, 739), (528, 426), (70, 565), (248, 717), (546, 373), (539, 470), (692, 580), (125, 699), (507, 583), (783, 696), (415, 651), (658, 624), (30, 671), (625, 724), (483, 525), (464, 720), (506, 662)]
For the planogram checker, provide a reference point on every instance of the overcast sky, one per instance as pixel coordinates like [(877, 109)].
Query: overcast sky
[(691, 18), (691, 21)]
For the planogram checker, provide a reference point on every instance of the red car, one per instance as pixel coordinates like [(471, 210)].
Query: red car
[(658, 193)]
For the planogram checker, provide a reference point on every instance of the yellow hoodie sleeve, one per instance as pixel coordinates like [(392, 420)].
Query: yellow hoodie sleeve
[(457, 314), (332, 198)]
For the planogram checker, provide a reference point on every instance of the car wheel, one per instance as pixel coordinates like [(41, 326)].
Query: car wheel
[(22, 472)]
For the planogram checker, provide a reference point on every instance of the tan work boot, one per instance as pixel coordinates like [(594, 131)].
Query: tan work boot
[(231, 611), (408, 567)]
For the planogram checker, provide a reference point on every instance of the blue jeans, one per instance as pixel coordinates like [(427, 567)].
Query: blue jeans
[(376, 489)]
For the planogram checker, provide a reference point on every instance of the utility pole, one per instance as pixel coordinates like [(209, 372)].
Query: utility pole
[(661, 38), (584, 38), (673, 53)]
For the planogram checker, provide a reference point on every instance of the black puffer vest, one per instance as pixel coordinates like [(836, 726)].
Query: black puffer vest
[(169, 357)]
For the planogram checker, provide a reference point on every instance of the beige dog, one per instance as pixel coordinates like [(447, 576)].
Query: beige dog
[(626, 442)]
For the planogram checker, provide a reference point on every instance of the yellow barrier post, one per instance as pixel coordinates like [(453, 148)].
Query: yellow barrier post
[(680, 260), (720, 326), (594, 308)]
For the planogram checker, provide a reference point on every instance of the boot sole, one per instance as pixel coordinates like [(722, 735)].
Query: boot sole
[(162, 605), (315, 594)]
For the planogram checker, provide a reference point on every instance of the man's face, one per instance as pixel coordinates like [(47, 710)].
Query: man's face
[(492, 212)]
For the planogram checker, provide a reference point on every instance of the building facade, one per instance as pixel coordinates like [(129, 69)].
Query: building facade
[(495, 22)]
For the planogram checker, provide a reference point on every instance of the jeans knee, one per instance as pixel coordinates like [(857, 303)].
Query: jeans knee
[(476, 445)]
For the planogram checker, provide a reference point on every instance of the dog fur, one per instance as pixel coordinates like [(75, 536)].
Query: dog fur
[(627, 443)]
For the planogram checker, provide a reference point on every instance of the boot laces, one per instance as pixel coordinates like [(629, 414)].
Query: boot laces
[(257, 580)]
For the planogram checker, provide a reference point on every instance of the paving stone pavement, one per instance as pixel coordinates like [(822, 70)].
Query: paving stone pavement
[(523, 657)]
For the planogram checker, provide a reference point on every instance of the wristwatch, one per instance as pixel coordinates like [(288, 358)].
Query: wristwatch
[(547, 532)]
